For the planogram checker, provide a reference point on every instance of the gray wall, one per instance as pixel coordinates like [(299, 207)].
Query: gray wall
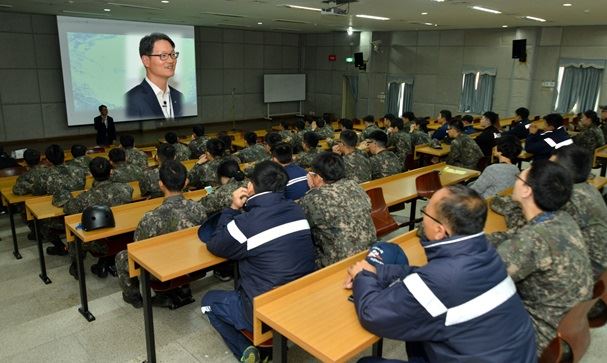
[(435, 60), (32, 104)]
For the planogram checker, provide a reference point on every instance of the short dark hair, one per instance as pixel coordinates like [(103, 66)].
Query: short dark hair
[(446, 114), (463, 210), (100, 168), (422, 123), (554, 119), (101, 107), (379, 137), (493, 117), (468, 118), (409, 116), (285, 123), (321, 122), (329, 166), (78, 150), (369, 118), (346, 124), (596, 121), (389, 116), (398, 123), (250, 137), (146, 44), (127, 141), (311, 138), (522, 112), (456, 124), (300, 124), (269, 176), (216, 147), (510, 147), (283, 152), (173, 175), (166, 152), (170, 137), (198, 130), (551, 184), (32, 157), (349, 138), (54, 154), (272, 139), (577, 160), (117, 155), (230, 169), (226, 139)]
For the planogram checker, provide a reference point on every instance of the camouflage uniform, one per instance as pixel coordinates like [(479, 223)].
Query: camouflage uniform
[(252, 153), (287, 136), (465, 152), (174, 214), (587, 208), (604, 130), (198, 146), (205, 174), (149, 183), (325, 132), (419, 138), (182, 152), (366, 132), (136, 157), (590, 138), (221, 197), (340, 218), (29, 182), (548, 261), (81, 162), (298, 141), (124, 172), (385, 163), (102, 193), (304, 159), (358, 167), (401, 141)]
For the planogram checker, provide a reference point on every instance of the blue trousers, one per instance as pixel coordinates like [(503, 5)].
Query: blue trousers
[(415, 351), (227, 315)]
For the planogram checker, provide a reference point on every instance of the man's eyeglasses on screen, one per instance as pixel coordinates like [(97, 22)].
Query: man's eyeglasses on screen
[(165, 56)]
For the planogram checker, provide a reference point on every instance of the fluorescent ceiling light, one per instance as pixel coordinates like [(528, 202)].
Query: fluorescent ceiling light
[(504, 26), (164, 1), (480, 8), (536, 19), (259, 23), (5, 6), (424, 13), (567, 5), (303, 7), (371, 17), (107, 10), (350, 30)]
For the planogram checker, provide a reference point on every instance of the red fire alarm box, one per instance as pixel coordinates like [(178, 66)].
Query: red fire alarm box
[(332, 57)]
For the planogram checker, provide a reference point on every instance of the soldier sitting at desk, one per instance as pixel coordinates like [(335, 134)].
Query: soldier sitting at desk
[(103, 192), (254, 152), (198, 145), (80, 160), (465, 152), (383, 161), (310, 146), (149, 181), (175, 213), (357, 165), (182, 152), (204, 172), (25, 182), (122, 171), (370, 127), (542, 144), (132, 154), (547, 258), (399, 139), (297, 185)]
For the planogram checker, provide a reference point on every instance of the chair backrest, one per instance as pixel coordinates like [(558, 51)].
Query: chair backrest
[(410, 162), (574, 332), (383, 221), (428, 184), (13, 171), (598, 316)]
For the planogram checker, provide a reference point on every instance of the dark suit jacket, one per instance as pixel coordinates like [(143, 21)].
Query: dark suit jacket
[(141, 102), (106, 134)]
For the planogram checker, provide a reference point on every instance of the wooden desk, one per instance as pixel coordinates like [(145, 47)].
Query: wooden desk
[(427, 150)]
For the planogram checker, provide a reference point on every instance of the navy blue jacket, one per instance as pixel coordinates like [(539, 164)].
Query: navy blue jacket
[(520, 129), (488, 139), (432, 307), (297, 185), (141, 102), (271, 240), (440, 133), (542, 145)]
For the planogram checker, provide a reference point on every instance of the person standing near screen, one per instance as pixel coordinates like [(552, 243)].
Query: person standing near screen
[(104, 124), (153, 97)]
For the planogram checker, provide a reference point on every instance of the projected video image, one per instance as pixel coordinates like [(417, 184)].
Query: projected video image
[(102, 65)]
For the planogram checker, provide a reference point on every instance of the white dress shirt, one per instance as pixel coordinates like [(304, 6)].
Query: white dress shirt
[(164, 99)]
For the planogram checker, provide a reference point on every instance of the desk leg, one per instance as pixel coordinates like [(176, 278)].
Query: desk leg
[(12, 218), (603, 168), (148, 317), (42, 275), (279, 348), (84, 308), (378, 348), (412, 214)]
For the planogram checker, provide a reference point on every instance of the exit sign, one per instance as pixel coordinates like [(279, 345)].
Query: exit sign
[(332, 57)]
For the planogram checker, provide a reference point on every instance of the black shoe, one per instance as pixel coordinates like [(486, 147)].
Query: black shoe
[(112, 270), (31, 236), (74, 270), (222, 277), (100, 270), (162, 300), (136, 301), (56, 251)]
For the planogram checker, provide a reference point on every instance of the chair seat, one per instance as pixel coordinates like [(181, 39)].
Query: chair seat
[(382, 220), (249, 335)]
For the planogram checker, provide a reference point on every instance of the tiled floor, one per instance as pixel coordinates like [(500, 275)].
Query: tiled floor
[(40, 322)]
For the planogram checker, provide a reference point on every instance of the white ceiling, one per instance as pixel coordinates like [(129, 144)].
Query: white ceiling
[(403, 14)]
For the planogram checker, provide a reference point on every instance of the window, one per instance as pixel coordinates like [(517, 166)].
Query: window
[(578, 88), (477, 91)]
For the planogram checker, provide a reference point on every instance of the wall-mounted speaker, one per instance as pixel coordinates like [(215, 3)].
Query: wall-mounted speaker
[(519, 49), (358, 60)]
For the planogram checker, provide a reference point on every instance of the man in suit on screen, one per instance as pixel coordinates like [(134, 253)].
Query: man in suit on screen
[(104, 124), (153, 98)]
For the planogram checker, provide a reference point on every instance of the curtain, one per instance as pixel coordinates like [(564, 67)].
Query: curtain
[(392, 99), (408, 98), (353, 82), (579, 85), (589, 88), (467, 97), (567, 93), (483, 100)]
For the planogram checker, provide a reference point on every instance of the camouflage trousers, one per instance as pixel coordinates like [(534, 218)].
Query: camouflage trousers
[(49, 230), (128, 284), (95, 247)]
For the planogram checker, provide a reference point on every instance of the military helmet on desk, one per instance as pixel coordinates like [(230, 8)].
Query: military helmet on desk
[(97, 216)]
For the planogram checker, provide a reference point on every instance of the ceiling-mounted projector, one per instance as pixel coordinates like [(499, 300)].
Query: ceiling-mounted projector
[(334, 11)]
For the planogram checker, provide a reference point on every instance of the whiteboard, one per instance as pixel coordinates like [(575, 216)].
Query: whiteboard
[(284, 87)]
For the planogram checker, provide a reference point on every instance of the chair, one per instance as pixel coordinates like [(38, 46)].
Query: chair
[(428, 184), (13, 171), (249, 335), (572, 336), (410, 162), (383, 221), (598, 314)]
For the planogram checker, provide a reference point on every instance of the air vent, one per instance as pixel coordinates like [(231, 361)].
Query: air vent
[(223, 14), (290, 21), (134, 6)]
